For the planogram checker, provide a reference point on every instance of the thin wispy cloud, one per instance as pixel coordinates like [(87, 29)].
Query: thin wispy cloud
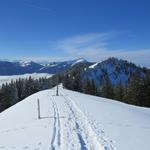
[(45, 58), (36, 6), (94, 47), (84, 42)]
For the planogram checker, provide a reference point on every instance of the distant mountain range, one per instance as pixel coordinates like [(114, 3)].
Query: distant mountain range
[(117, 70), (22, 67)]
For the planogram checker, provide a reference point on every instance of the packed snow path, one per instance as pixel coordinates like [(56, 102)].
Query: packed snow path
[(71, 128), (73, 121)]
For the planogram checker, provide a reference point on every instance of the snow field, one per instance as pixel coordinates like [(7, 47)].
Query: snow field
[(126, 127), (74, 121)]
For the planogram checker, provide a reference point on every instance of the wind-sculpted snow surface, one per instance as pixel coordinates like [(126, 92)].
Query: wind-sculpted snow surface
[(73, 121)]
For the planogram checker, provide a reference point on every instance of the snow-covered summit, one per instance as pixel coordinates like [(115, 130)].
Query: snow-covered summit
[(116, 69), (55, 67), (25, 63), (80, 60)]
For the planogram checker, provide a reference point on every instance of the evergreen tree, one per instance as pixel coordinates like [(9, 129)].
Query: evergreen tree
[(89, 87), (19, 86), (13, 93), (119, 91), (67, 81), (93, 88), (4, 98), (107, 88), (134, 90), (86, 86), (76, 83), (145, 91)]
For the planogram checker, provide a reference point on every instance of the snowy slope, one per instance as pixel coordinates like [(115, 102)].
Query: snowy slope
[(74, 121), (8, 79), (56, 67), (116, 69)]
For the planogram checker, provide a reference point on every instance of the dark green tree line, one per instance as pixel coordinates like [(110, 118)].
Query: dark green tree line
[(17, 90)]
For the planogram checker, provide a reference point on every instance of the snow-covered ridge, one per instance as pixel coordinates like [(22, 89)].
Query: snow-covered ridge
[(80, 60), (23, 67), (25, 63), (74, 121), (56, 67)]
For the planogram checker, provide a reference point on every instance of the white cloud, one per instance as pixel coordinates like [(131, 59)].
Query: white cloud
[(94, 48), (45, 58), (80, 43)]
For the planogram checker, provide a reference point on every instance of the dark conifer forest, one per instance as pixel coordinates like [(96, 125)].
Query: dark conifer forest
[(17, 90)]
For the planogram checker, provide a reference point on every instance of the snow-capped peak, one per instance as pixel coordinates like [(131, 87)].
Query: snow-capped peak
[(25, 63), (80, 60)]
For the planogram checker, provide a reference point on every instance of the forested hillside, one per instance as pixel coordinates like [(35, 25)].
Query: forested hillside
[(17, 90), (112, 78)]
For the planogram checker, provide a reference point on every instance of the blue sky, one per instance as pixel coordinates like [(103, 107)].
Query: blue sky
[(67, 29)]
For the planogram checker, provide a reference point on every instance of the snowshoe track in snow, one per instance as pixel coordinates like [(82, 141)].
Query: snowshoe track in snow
[(56, 129), (86, 136), (73, 131)]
